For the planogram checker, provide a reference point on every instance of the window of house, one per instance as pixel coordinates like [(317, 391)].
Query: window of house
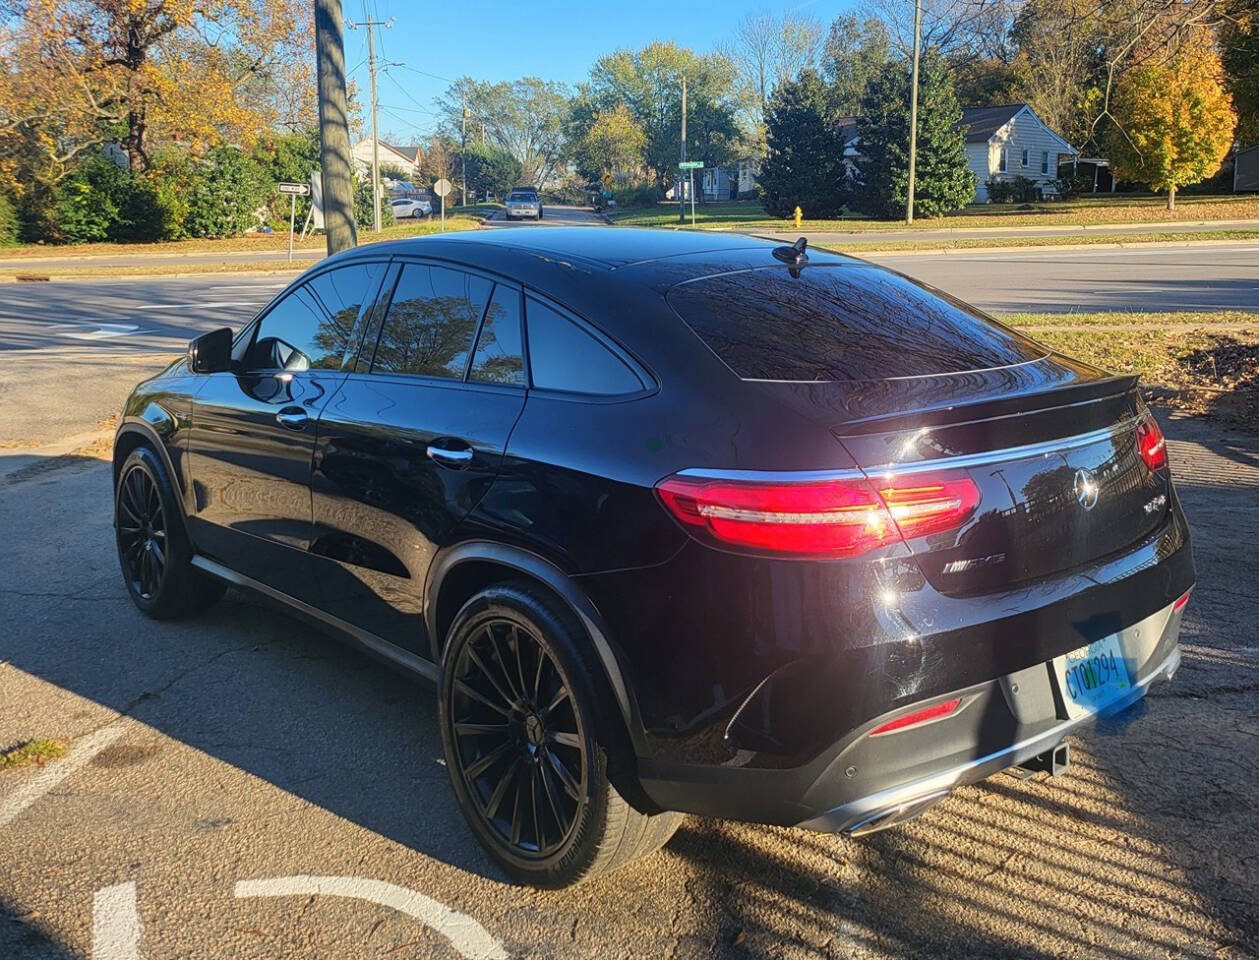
[(1024, 157), (431, 321), (1001, 161), (1044, 161)]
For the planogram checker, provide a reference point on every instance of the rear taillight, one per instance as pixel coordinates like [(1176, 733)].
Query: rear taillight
[(827, 518), (1180, 604), (934, 712), (1151, 443)]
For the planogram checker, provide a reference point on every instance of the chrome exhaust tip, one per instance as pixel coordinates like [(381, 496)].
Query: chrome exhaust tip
[(894, 816)]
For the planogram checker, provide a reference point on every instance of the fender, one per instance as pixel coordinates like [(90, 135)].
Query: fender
[(156, 424), (557, 580)]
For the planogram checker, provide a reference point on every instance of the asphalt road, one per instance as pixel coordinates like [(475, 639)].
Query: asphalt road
[(239, 786)]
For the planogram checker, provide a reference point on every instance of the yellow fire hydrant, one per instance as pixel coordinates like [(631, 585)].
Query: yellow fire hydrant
[(798, 215)]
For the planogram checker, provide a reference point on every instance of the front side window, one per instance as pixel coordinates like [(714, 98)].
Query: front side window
[(431, 321), (498, 357), (564, 356), (312, 326)]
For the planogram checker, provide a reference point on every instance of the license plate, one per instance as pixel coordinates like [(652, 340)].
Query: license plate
[(1093, 676)]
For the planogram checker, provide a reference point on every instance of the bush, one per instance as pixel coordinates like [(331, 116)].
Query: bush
[(636, 195), (8, 222), (1073, 185), (89, 202), (363, 214), (226, 191), (1016, 190)]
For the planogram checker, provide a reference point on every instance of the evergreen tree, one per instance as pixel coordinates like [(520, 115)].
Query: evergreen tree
[(804, 151), (942, 181)]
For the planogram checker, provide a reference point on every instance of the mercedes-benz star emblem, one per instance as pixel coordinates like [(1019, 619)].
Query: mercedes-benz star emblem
[(1086, 489)]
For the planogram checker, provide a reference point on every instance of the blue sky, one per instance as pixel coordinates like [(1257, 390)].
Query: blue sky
[(501, 40)]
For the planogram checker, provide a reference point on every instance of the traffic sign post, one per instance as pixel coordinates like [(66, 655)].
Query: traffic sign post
[(294, 190), (690, 166), (442, 188)]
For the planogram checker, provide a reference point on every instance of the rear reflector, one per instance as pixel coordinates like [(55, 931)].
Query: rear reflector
[(1151, 443), (917, 717), (1180, 604), (828, 518)]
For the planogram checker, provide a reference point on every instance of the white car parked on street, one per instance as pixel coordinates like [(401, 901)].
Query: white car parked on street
[(411, 207)]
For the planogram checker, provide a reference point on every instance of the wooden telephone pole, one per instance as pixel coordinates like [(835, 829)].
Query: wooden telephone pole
[(913, 115), (334, 133), (371, 69)]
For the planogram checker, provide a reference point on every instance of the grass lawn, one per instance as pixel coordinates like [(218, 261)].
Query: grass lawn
[(1091, 210), (38, 752), (1197, 370)]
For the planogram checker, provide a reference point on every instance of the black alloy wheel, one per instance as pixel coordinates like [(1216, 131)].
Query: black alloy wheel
[(142, 532), (519, 739)]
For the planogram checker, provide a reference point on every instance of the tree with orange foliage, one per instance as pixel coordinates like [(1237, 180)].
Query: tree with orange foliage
[(75, 74), (1174, 120)]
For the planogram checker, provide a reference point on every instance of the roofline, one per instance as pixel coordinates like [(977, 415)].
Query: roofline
[(1027, 108)]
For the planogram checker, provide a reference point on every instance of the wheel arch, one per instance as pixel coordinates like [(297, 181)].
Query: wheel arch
[(133, 434), (460, 571)]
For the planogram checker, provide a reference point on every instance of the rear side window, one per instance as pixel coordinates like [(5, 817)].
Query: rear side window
[(432, 319), (564, 356), (841, 323), (498, 357)]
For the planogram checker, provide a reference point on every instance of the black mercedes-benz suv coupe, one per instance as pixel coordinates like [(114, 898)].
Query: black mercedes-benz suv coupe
[(676, 523)]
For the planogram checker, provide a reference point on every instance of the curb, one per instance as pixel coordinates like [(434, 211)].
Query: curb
[(858, 251)]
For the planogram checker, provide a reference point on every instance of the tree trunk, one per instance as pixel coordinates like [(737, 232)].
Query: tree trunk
[(1171, 197)]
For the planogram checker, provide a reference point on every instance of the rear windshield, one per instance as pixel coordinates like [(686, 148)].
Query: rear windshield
[(841, 323), (522, 196)]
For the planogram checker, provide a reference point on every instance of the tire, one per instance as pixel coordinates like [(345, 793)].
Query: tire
[(520, 700), (153, 549)]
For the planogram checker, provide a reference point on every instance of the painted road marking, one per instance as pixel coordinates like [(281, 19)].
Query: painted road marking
[(80, 754), (97, 331), (468, 937), (212, 305), (116, 926)]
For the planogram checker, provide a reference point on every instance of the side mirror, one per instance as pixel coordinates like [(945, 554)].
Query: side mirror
[(211, 352)]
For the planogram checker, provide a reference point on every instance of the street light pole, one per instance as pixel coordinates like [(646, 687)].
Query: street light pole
[(682, 159), (913, 116)]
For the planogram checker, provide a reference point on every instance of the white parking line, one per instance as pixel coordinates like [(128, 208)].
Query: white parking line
[(468, 937), (80, 754), (116, 926)]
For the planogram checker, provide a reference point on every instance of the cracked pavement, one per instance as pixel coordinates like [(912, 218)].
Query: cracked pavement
[(246, 745)]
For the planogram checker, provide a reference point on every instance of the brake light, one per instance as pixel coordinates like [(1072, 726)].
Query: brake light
[(1180, 604), (1151, 443), (829, 518), (933, 712)]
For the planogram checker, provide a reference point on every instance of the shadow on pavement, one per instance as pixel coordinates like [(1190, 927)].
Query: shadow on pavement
[(1146, 848)]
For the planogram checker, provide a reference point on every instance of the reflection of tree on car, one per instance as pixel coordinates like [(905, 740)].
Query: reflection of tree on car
[(425, 335)]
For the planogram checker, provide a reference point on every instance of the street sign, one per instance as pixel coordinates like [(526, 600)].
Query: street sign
[(691, 165), (442, 187), (295, 189)]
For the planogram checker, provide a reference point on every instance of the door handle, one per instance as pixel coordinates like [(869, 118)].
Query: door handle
[(294, 418), (450, 458)]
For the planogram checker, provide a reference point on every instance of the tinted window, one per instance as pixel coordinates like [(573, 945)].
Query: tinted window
[(563, 356), (841, 323), (498, 358), (312, 326), (431, 321)]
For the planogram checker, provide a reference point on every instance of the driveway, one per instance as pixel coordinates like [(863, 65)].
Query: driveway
[(239, 785), (553, 215)]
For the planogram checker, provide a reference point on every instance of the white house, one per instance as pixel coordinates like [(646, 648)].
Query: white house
[(1011, 141), (398, 155)]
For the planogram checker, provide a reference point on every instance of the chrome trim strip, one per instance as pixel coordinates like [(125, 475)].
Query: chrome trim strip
[(395, 654), (864, 809), (1041, 449)]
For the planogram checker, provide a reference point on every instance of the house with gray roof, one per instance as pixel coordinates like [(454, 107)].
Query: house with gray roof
[(1009, 141)]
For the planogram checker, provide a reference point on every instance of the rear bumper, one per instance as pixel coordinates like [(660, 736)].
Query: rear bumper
[(900, 803), (864, 782)]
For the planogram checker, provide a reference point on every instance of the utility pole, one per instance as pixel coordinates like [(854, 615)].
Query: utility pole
[(371, 69), (682, 158), (334, 134), (463, 143), (913, 115)]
